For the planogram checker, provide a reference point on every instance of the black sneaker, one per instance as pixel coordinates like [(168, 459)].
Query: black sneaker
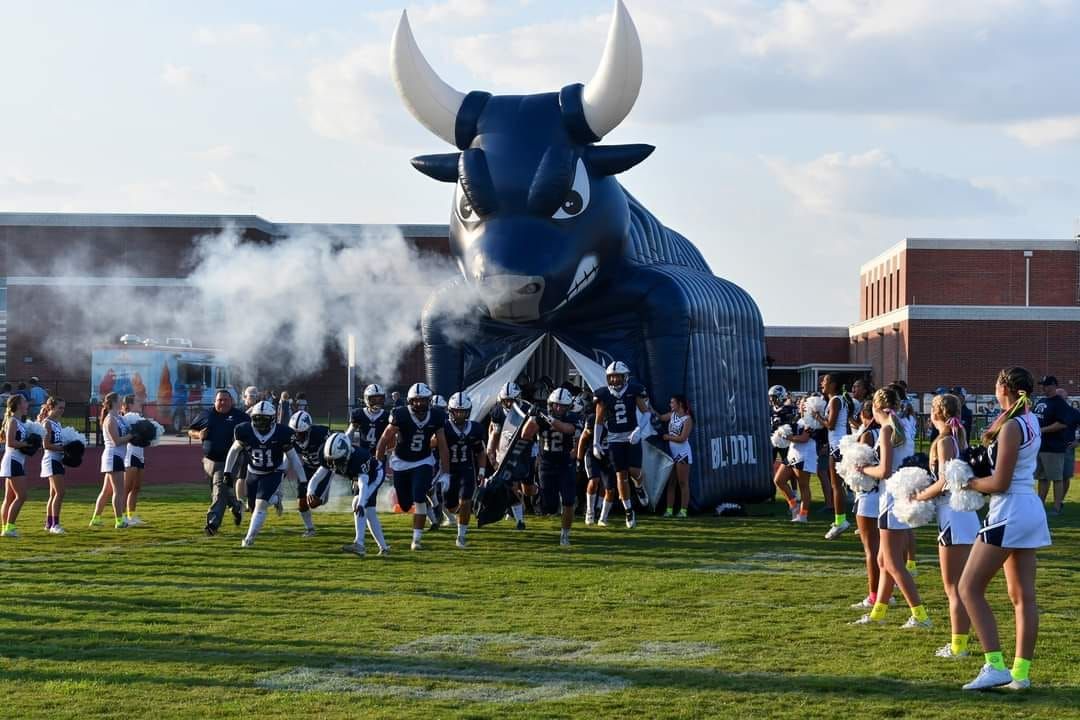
[(642, 496), (237, 514), (210, 531), (631, 520)]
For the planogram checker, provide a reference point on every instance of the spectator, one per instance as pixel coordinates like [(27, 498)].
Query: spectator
[(1072, 426), (215, 429), (967, 417), (284, 407), (37, 397), (5, 393), (395, 398), (23, 390), (1053, 414), (300, 403)]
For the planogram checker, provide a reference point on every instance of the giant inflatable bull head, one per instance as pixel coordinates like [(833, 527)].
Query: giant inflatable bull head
[(551, 243)]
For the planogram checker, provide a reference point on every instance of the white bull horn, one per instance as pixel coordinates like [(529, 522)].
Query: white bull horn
[(611, 92), (430, 100)]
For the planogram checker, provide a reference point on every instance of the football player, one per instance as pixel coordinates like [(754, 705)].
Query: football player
[(598, 471), (556, 432), (623, 408), (468, 461), (250, 397), (339, 457), (509, 394), (366, 425), (409, 433), (268, 447), (782, 413), (308, 440)]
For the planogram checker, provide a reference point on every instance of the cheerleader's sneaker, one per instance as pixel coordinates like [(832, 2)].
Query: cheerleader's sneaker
[(867, 604), (913, 624), (946, 651), (11, 532), (799, 518), (989, 677), (682, 514), (135, 521), (57, 530), (836, 530), (96, 521), (1018, 685), (867, 620)]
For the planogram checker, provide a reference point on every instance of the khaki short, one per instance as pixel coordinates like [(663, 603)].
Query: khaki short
[(1051, 466)]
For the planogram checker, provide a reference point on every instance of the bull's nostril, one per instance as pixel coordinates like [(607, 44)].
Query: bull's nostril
[(530, 289)]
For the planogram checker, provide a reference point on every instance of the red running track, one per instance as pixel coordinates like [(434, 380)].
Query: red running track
[(165, 464)]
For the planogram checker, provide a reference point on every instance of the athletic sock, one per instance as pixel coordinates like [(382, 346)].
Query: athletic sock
[(628, 505), (358, 525), (995, 660), (305, 515), (879, 610), (804, 511), (590, 503), (872, 597), (416, 535), (257, 519), (791, 502), (959, 643), (48, 521), (461, 530), (919, 613), (605, 510), (374, 526), (839, 519), (1021, 669), (519, 512), (911, 566)]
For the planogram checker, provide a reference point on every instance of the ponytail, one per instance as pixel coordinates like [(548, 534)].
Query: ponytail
[(106, 405), (1021, 382)]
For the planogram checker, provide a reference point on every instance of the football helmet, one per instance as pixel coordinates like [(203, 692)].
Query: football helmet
[(559, 401), (578, 406), (460, 408), (263, 416), (616, 374), (300, 423), (438, 402), (336, 451), (419, 398), (374, 396), (777, 395), (508, 393)]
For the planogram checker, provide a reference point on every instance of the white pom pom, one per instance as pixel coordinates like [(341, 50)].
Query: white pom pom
[(813, 404), (781, 437), (70, 434), (903, 485), (33, 428), (159, 431), (857, 455), (132, 417), (962, 498)]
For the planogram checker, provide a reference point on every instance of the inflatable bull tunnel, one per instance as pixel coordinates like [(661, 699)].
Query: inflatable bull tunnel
[(552, 248)]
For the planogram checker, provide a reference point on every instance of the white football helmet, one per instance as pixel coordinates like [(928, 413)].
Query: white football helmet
[(251, 395), (336, 450), (617, 374), (300, 422), (374, 396), (263, 416), (508, 393), (460, 408), (777, 394), (438, 402), (578, 406), (559, 401), (419, 398)]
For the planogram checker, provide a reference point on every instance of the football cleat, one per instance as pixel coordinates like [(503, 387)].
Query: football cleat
[(354, 548), (520, 525), (460, 543), (590, 520), (416, 545), (210, 531), (245, 543), (308, 532), (237, 513), (631, 519)]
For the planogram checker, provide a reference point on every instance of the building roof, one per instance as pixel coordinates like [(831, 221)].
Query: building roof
[(818, 331), (1044, 244)]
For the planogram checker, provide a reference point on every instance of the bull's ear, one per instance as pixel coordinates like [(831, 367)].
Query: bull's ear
[(443, 167), (614, 159)]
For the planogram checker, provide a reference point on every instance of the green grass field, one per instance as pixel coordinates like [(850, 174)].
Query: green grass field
[(698, 618)]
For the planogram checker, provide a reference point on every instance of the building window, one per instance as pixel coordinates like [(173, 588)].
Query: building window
[(3, 298)]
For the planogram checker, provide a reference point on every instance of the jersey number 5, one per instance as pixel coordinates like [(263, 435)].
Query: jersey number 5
[(417, 443)]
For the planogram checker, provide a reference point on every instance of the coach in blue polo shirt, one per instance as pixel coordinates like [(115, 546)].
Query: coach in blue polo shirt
[(214, 428), (1054, 415)]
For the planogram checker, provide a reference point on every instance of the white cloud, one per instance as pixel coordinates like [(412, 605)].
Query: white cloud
[(20, 184), (1046, 131), (874, 183), (452, 9), (345, 97), (177, 76), (214, 183), (232, 35)]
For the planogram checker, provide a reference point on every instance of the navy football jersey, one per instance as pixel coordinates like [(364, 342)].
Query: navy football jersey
[(361, 462), (556, 446), (311, 453), (464, 443), (266, 454), (369, 428), (620, 412), (784, 415), (498, 416), (414, 441)]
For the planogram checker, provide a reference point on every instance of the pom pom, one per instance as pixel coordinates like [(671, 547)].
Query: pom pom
[(159, 432), (34, 428), (903, 486), (730, 510), (132, 417), (73, 453), (69, 434), (143, 433), (813, 404), (855, 454), (962, 498), (781, 437)]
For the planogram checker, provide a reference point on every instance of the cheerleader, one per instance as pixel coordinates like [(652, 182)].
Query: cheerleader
[(837, 412), (680, 424), (893, 540), (115, 436), (134, 464), (13, 465), (1015, 527), (802, 462), (957, 530), (52, 462), (910, 424), (866, 512)]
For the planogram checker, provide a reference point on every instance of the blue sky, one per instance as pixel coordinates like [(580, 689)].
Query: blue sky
[(795, 139)]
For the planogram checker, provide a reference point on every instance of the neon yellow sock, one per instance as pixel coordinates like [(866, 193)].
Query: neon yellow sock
[(959, 643), (919, 613), (994, 660), (879, 610), (1021, 669), (911, 565), (839, 520)]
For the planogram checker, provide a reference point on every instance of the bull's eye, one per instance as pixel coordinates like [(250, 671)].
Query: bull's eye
[(463, 207), (577, 199)]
